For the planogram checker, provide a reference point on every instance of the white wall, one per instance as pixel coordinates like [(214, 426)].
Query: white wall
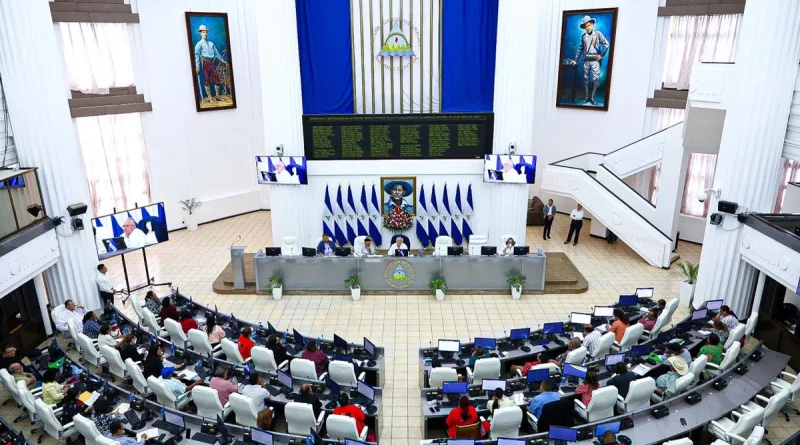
[(692, 228), (791, 201)]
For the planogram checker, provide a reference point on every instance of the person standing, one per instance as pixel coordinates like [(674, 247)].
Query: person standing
[(549, 214), (104, 285), (575, 225)]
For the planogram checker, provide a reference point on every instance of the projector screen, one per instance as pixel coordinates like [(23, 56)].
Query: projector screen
[(282, 170), (130, 230), (511, 169)]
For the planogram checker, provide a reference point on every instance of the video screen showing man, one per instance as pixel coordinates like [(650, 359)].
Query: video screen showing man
[(130, 230)]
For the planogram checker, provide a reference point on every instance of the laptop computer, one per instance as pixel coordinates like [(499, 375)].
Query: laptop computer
[(114, 244)]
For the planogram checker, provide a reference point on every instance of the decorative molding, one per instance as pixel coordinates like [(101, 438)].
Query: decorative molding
[(27, 261), (780, 262)]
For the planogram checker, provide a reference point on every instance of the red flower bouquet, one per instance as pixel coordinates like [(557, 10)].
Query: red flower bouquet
[(398, 220)]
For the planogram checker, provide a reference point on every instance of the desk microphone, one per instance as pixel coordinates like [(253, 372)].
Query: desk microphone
[(235, 242)]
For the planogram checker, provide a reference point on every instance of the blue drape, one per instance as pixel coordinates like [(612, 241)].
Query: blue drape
[(326, 67), (469, 45)]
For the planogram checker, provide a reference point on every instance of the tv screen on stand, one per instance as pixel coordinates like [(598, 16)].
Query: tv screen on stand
[(130, 230)]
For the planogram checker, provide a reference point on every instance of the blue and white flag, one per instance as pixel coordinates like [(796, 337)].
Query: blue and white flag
[(328, 220), (433, 217), (447, 220), (363, 213), (422, 219), (457, 217), (375, 219), (466, 226), (340, 220), (352, 219), (441, 228)]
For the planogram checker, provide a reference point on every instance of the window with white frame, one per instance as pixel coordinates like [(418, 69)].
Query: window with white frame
[(699, 177), (790, 172), (97, 56)]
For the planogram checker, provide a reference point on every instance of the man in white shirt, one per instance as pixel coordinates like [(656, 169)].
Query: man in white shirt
[(105, 285), (367, 248), (256, 391), (72, 312), (509, 174), (283, 176), (134, 238), (398, 245), (590, 338), (576, 217), (549, 215)]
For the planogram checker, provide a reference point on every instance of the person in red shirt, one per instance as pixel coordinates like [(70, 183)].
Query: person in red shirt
[(346, 409), (463, 415), (245, 344), (585, 389), (168, 311), (315, 355), (187, 322)]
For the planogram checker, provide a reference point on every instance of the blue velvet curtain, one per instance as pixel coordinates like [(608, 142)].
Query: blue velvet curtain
[(469, 45), (326, 68)]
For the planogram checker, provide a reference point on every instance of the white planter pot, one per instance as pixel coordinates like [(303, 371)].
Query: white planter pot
[(277, 293), (516, 292), (191, 222), (355, 292), (439, 295), (687, 293)]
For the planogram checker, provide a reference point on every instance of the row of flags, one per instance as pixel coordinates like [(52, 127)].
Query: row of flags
[(345, 218)]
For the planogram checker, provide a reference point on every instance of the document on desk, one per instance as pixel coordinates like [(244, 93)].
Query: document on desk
[(577, 335), (89, 401), (640, 370), (152, 433), (122, 407), (704, 333), (187, 374), (518, 398)]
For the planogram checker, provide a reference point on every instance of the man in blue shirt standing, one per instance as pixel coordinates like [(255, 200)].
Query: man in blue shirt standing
[(547, 396), (205, 56)]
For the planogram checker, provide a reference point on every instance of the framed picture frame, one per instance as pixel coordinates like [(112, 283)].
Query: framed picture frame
[(399, 192), (588, 38), (210, 60)]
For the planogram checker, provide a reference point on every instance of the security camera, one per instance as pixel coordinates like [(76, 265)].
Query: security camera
[(512, 148), (702, 197), (279, 150)]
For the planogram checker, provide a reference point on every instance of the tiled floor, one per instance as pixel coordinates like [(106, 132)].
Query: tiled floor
[(401, 323)]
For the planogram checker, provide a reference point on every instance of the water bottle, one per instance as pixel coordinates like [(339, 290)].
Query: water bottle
[(131, 399), (285, 337), (172, 348), (260, 325), (162, 412), (563, 380), (114, 318), (319, 342), (247, 372)]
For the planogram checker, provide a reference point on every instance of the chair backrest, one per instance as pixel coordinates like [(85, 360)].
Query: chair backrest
[(554, 369), (139, 382), (558, 412), (57, 310), (341, 427), (231, 351), (26, 397), (604, 345), (264, 359), (696, 367), (631, 336), (486, 368), (207, 401), (506, 422), (576, 356), (736, 334), (299, 418), (150, 321), (671, 306), (175, 331), (440, 375), (303, 369), (137, 307), (342, 372), (478, 239), (358, 243), (684, 441), (87, 429), (747, 422), (602, 404), (289, 246), (10, 385), (245, 409), (113, 358), (683, 382), (756, 436), (200, 342), (51, 423), (730, 356), (750, 327), (468, 431), (774, 406), (162, 392), (90, 352), (663, 319), (442, 243), (73, 332), (639, 393)]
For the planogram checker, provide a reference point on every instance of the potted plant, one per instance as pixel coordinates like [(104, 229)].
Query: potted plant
[(439, 287), (352, 282), (189, 206), (276, 285), (516, 281), (688, 271)]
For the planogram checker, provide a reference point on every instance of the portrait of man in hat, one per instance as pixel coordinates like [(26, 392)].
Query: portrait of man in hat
[(209, 46), (587, 49), (398, 194)]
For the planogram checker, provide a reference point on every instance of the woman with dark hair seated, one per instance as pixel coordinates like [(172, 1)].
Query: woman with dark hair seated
[(315, 355), (102, 415), (168, 311), (187, 322)]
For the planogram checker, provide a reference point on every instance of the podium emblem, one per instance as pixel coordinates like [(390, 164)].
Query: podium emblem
[(399, 274)]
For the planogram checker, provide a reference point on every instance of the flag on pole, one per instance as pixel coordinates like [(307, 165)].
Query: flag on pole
[(457, 216), (327, 215), (352, 219), (339, 220), (446, 220), (441, 229), (363, 213), (433, 217), (422, 219), (466, 226), (375, 219)]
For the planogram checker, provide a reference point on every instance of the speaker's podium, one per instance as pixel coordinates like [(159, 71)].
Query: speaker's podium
[(237, 267)]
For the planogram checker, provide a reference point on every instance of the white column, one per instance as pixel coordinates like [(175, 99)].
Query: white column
[(41, 294), (514, 86), (36, 89), (755, 124)]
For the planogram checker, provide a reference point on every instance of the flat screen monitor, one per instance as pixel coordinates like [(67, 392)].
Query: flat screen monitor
[(272, 251), (521, 250), (520, 334), (580, 318), (537, 375), (603, 311), (684, 327), (369, 347), (488, 250), (332, 386), (492, 384), (366, 391), (509, 169), (644, 292), (574, 371), (309, 252), (401, 252), (641, 350), (291, 170), (601, 429), (342, 251), (714, 305), (488, 343), (285, 379), (454, 387), (613, 359), (130, 230), (460, 441), (173, 418), (261, 436), (628, 300), (455, 251), (553, 328), (565, 434), (449, 346), (222, 430), (298, 338), (339, 342), (506, 441), (699, 314)]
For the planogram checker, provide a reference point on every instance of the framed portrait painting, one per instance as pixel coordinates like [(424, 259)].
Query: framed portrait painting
[(587, 56), (399, 193), (210, 60)]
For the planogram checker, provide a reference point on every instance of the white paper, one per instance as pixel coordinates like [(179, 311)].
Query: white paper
[(152, 433), (518, 398), (577, 335), (187, 374), (122, 407), (640, 370), (704, 333), (92, 399)]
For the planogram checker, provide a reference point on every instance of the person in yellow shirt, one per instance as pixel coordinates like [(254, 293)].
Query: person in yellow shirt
[(52, 392)]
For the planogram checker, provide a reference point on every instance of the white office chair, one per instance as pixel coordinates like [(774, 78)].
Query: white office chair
[(736, 334), (476, 242), (671, 307), (600, 407), (208, 405), (576, 356), (107, 441), (11, 386), (440, 375), (358, 243), (485, 368), (87, 429), (289, 246), (300, 418), (780, 384), (344, 427), (680, 386), (505, 422), (684, 441), (638, 396), (165, 396), (603, 346), (114, 360), (28, 399), (728, 359), (304, 369), (90, 352), (52, 425), (554, 369), (139, 382), (696, 368), (73, 334), (201, 344), (231, 351), (750, 326), (630, 338), (737, 427), (245, 409), (152, 324), (264, 359), (344, 373), (176, 334), (772, 406), (57, 310), (442, 243), (755, 438), (663, 319), (137, 305)]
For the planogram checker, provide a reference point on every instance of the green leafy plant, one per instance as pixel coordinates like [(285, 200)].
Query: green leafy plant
[(275, 281), (352, 282), (517, 280), (438, 283), (190, 205), (687, 270)]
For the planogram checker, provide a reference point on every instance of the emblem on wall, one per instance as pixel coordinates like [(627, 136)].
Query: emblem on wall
[(396, 43), (399, 274)]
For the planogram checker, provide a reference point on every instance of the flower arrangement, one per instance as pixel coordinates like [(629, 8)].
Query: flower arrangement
[(401, 221)]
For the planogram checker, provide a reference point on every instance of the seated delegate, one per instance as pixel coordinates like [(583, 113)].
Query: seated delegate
[(649, 320), (72, 312), (223, 384), (585, 389), (91, 328), (498, 401), (245, 343), (175, 385), (307, 396), (52, 391), (367, 248), (153, 363), (188, 322), (256, 391), (509, 248), (15, 369), (674, 349), (622, 379), (665, 384), (315, 355), (168, 311), (479, 353), (621, 323), (590, 338), (213, 330), (345, 408), (547, 395), (106, 336), (278, 350), (712, 349), (326, 247), (462, 415), (128, 350), (398, 245)]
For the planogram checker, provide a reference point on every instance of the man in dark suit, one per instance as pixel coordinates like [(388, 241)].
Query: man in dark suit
[(549, 214)]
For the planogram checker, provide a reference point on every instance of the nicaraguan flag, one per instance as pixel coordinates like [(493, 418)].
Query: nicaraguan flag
[(352, 219), (455, 221), (340, 220), (446, 219), (327, 215), (466, 226), (440, 228), (375, 219), (422, 219), (433, 217), (363, 213), (145, 213)]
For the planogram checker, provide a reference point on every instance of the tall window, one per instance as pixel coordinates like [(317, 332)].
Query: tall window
[(97, 55), (667, 117), (699, 176), (708, 38), (790, 173)]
